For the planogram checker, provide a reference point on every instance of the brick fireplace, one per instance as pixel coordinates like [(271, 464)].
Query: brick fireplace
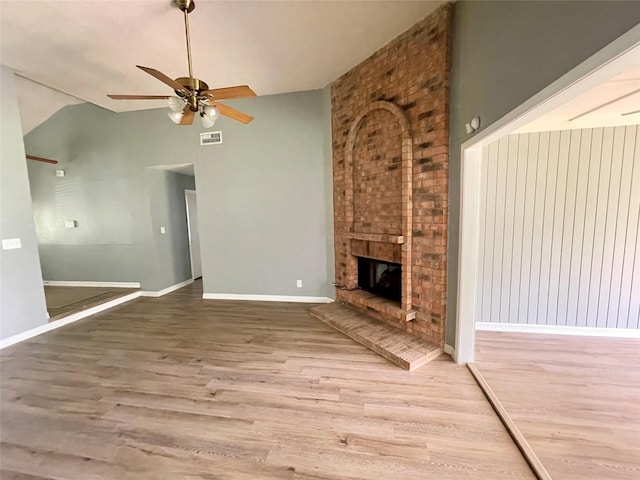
[(390, 121)]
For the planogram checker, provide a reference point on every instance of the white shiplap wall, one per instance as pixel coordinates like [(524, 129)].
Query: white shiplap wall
[(559, 229)]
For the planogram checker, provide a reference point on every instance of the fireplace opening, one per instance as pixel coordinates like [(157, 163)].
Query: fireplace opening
[(380, 278)]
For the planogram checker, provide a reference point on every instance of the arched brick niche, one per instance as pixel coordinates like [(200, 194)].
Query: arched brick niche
[(378, 190)]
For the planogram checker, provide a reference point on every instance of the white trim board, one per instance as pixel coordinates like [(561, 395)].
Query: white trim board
[(87, 313), (558, 330), (265, 298), (66, 320), (172, 288), (66, 283), (601, 66)]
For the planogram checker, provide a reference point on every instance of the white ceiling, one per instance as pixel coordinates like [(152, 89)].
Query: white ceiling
[(89, 48), (614, 102), (38, 102)]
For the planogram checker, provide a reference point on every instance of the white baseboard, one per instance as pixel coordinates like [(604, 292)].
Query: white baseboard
[(65, 283), (558, 330), (265, 298), (89, 311), (164, 291), (449, 350), (66, 320)]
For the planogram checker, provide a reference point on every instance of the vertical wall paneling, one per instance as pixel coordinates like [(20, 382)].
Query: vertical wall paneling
[(611, 225), (630, 299), (482, 223), (560, 227), (490, 158), (633, 317), (583, 151), (621, 260), (535, 272), (498, 237), (573, 171), (558, 232), (509, 222), (600, 227), (547, 227), (518, 226), (589, 226), (531, 178)]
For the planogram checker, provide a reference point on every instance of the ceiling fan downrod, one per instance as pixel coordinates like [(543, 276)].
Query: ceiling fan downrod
[(187, 6)]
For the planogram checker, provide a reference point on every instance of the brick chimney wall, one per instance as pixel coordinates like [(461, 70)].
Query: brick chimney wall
[(390, 120)]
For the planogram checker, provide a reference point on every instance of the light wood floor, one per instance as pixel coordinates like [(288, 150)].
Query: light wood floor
[(181, 388), (64, 301), (575, 399)]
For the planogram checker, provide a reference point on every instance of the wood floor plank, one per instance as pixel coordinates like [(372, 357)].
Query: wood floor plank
[(576, 400), (64, 301), (181, 388)]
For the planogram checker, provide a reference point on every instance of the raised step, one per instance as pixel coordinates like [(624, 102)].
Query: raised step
[(395, 345)]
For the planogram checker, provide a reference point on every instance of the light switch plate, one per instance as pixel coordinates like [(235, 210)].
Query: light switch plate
[(70, 224), (11, 243), (163, 230)]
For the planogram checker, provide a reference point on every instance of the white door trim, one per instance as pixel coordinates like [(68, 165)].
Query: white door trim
[(601, 66), (187, 192)]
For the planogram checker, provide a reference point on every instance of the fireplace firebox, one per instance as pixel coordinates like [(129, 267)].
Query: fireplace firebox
[(380, 278)]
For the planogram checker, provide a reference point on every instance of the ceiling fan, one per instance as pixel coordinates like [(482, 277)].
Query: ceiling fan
[(193, 95)]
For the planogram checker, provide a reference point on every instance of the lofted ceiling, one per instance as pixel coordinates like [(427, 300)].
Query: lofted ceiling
[(38, 102), (87, 49), (615, 102)]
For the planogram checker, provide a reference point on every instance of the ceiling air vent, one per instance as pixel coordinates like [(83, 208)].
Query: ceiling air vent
[(210, 138)]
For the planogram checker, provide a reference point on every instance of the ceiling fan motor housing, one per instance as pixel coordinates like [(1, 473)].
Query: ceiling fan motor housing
[(194, 86)]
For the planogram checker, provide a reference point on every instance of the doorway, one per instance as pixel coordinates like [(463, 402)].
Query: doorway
[(194, 233), (606, 64), (545, 250)]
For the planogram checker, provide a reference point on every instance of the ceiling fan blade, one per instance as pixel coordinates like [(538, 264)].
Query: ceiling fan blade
[(227, 111), (163, 78), (41, 159), (240, 91), (187, 117), (138, 97)]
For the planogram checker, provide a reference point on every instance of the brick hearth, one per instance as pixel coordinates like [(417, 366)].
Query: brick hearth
[(390, 120)]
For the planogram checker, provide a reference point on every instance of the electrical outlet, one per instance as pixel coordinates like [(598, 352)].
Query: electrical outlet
[(299, 283), (11, 243)]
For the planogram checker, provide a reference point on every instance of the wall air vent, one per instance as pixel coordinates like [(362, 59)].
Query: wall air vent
[(210, 138)]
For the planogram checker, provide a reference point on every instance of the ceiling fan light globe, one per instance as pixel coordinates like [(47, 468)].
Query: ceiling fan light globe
[(176, 104), (211, 112), (207, 122), (176, 117)]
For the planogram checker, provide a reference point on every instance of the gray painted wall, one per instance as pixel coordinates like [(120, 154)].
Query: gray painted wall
[(504, 53), (559, 229), (263, 196), (102, 189), (328, 188), (171, 263), (22, 304), (262, 200)]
